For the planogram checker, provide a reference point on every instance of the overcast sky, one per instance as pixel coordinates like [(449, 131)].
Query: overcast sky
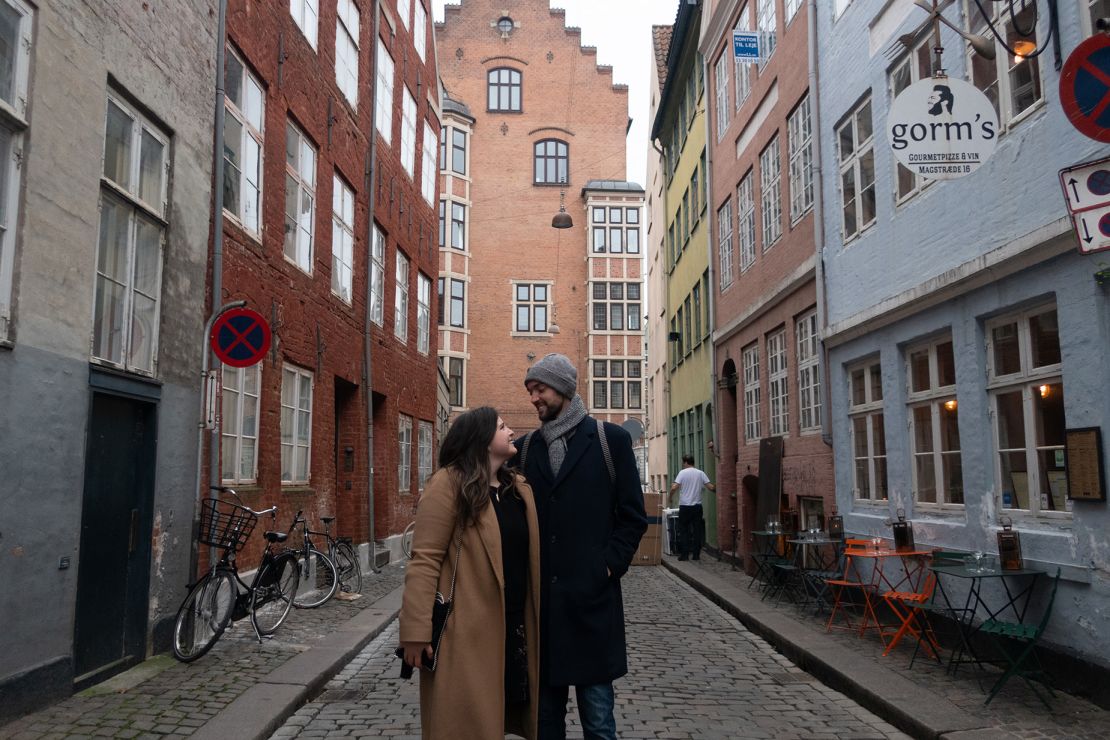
[(621, 31)]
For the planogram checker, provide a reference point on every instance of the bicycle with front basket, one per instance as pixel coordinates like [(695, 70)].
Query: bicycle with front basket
[(221, 595)]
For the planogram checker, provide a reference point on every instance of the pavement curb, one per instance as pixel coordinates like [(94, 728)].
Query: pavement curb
[(265, 707), (911, 708)]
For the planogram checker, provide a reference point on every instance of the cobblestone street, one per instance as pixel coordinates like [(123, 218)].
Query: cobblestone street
[(694, 673)]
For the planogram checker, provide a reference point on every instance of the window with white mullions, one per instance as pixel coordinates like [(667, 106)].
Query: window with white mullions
[(306, 13), (377, 278), (770, 192), (724, 243), (300, 198), (408, 131), (741, 82), (239, 423), (531, 306), (868, 435), (809, 372), (401, 300), (244, 116), (404, 457), (404, 9), (856, 155), (767, 22), (15, 60), (429, 174), (419, 29), (423, 312), (342, 239), (800, 135), (753, 430), (296, 424), (133, 197), (383, 104), (791, 8), (424, 453), (346, 49), (720, 81), (1027, 408), (1012, 82), (914, 66), (745, 222), (934, 423), (777, 378)]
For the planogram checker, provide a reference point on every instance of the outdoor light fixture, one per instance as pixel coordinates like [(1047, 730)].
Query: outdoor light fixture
[(562, 219), (1022, 49), (950, 404), (1045, 390)]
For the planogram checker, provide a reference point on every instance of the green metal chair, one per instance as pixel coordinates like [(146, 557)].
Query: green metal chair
[(1022, 654), (936, 606)]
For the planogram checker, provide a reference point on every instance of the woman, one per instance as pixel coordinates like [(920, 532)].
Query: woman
[(486, 679)]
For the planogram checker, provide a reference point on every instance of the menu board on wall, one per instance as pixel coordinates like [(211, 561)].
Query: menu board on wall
[(1083, 450)]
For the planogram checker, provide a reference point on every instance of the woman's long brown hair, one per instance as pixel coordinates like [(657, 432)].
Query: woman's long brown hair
[(465, 452)]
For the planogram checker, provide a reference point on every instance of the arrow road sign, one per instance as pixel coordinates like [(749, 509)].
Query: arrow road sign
[(1086, 185), (1093, 229)]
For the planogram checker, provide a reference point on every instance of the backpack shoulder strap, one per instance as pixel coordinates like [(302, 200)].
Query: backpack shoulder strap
[(524, 449), (605, 451)]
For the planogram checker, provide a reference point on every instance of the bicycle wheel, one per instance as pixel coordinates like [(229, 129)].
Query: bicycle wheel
[(203, 616), (350, 574), (406, 541), (273, 592), (319, 579)]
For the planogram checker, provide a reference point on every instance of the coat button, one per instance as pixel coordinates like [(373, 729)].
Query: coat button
[(553, 539), (554, 579)]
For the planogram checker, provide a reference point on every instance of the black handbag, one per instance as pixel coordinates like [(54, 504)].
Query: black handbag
[(441, 610)]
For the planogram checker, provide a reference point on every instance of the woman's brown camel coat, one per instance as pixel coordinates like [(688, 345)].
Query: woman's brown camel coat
[(465, 698)]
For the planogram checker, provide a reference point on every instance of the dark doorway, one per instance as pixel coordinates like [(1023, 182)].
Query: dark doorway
[(114, 575), (350, 490)]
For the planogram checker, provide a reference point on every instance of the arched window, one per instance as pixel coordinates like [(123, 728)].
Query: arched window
[(550, 162), (503, 86)]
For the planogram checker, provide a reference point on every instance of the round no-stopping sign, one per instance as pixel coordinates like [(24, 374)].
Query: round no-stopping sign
[(1085, 88), (240, 337), (942, 128)]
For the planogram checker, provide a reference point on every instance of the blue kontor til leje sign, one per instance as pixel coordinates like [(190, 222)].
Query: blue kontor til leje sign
[(745, 46)]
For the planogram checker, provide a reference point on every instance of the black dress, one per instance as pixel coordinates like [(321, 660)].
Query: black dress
[(513, 524)]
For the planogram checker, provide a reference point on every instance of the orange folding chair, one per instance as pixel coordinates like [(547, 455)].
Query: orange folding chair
[(847, 584), (906, 606)]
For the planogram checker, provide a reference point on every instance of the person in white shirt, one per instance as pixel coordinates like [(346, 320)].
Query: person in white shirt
[(691, 525)]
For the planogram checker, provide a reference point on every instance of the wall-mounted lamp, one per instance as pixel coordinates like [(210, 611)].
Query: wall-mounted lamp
[(673, 336)]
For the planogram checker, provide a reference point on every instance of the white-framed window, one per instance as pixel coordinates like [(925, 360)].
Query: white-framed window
[(809, 372), (1026, 390), (300, 197), (133, 194), (383, 105), (458, 151), (724, 242), (934, 423), (914, 66), (868, 436), (721, 82), (244, 122), (423, 312), (239, 423), (1013, 83), (15, 60), (423, 448), (800, 144), (741, 82), (429, 173), (531, 306), (616, 306), (346, 50), (401, 300), (377, 278), (778, 394), (296, 424), (856, 155), (790, 8), (615, 229), (408, 131), (770, 192), (458, 226), (766, 21), (419, 29), (306, 13), (745, 222), (342, 238), (753, 429), (456, 304), (404, 457), (456, 388), (404, 9)]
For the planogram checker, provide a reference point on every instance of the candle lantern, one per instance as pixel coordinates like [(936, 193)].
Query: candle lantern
[(836, 526), (1009, 546), (903, 532)]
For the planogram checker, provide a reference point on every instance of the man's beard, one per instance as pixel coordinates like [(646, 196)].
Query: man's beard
[(551, 414)]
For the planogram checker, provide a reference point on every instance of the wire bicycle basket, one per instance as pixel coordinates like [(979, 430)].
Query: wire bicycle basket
[(224, 524)]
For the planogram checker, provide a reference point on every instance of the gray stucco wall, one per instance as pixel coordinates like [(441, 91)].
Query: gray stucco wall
[(947, 260), (159, 57)]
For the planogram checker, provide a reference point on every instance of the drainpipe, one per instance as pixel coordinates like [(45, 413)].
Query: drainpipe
[(818, 218), (710, 213), (367, 336)]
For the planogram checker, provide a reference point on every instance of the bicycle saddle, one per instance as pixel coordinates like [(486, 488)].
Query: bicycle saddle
[(327, 519), (276, 536)]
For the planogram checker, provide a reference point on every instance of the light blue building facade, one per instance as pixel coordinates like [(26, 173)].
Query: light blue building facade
[(965, 333)]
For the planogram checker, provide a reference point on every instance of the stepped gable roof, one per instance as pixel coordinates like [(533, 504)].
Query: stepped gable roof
[(661, 42)]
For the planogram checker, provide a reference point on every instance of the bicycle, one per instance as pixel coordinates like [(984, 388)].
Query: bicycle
[(221, 595), (316, 569), (343, 554)]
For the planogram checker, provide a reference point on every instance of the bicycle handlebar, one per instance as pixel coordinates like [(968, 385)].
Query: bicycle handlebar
[(224, 489)]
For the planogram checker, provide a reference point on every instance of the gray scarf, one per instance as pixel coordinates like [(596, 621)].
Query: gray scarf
[(557, 431)]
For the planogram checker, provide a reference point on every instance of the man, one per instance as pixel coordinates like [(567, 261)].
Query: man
[(591, 514), (691, 525), (940, 100)]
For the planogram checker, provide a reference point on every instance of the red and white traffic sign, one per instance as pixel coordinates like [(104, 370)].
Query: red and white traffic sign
[(1086, 189), (1085, 87), (240, 337)]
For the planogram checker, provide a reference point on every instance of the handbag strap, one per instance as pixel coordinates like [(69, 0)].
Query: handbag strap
[(455, 571)]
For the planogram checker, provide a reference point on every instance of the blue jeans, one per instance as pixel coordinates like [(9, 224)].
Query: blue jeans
[(595, 709)]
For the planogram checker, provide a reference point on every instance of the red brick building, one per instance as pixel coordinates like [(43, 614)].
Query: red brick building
[(535, 115), (767, 318), (331, 235)]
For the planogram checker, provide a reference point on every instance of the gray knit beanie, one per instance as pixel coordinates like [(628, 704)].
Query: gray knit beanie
[(555, 371)]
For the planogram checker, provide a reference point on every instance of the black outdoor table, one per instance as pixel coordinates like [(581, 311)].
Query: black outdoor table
[(766, 554), (812, 580), (1017, 601)]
